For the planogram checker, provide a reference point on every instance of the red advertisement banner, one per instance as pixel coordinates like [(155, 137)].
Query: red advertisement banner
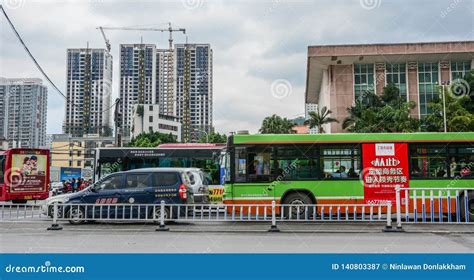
[(385, 168)]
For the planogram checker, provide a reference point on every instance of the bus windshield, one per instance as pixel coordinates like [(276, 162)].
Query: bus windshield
[(111, 160)]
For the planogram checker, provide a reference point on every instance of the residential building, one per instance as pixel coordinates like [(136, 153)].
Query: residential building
[(299, 126), (194, 89), (137, 80), (171, 79), (4, 145), (23, 109), (337, 75), (147, 118), (88, 90), (70, 151), (66, 152), (165, 78), (311, 107)]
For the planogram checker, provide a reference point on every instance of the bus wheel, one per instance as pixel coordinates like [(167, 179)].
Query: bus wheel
[(470, 206), (76, 216), (295, 203)]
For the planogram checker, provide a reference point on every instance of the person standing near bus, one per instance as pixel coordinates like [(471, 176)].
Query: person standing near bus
[(74, 185)]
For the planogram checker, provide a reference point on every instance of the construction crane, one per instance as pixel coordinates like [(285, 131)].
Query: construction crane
[(170, 29), (107, 42), (170, 59)]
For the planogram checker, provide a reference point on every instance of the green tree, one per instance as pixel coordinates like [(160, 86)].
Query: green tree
[(213, 138), (458, 116), (276, 125), (385, 113), (152, 139), (319, 118), (459, 99), (107, 131)]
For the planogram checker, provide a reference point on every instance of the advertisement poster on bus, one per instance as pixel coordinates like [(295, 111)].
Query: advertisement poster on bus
[(28, 172), (385, 168)]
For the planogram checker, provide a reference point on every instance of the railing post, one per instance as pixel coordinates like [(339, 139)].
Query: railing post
[(388, 227), (55, 225), (389, 216), (273, 227), (399, 208), (162, 226)]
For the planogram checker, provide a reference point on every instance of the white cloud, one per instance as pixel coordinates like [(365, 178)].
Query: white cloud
[(254, 42)]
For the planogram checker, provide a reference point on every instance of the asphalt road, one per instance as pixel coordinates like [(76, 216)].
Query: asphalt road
[(20, 237)]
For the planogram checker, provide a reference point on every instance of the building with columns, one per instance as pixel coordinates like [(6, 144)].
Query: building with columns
[(339, 74)]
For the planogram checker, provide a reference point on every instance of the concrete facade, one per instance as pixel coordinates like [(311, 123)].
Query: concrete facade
[(337, 74), (89, 90), (70, 151), (198, 79), (23, 109), (152, 120)]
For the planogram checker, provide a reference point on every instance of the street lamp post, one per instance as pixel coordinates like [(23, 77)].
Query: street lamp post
[(443, 85)]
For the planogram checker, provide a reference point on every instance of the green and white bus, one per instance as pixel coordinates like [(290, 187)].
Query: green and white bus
[(326, 168)]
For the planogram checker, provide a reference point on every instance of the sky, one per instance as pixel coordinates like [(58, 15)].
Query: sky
[(259, 46)]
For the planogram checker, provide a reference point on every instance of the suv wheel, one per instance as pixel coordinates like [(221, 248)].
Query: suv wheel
[(76, 215)]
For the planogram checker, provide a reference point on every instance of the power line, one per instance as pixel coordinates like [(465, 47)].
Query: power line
[(39, 66), (30, 54)]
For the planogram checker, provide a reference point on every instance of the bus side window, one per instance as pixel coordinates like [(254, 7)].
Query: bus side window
[(428, 161), (461, 161), (340, 162)]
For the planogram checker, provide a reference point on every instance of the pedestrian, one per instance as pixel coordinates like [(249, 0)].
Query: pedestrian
[(74, 185), (81, 184), (64, 187)]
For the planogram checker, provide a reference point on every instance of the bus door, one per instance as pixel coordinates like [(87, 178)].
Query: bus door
[(255, 169)]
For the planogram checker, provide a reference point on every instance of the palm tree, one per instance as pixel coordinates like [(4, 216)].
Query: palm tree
[(276, 125), (319, 118)]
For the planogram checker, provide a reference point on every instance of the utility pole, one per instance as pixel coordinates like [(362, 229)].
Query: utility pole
[(118, 123)]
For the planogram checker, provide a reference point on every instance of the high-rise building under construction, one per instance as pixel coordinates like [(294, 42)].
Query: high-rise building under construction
[(178, 80), (194, 90), (137, 80), (88, 90)]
